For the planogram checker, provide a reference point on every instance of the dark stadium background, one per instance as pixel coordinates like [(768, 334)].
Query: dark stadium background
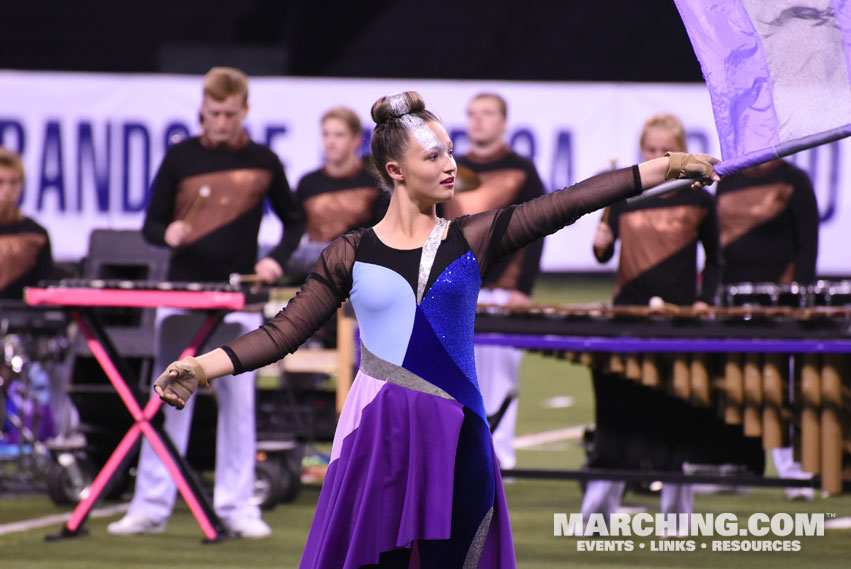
[(571, 40)]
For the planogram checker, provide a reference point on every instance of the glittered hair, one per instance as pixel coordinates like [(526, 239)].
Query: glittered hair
[(391, 136)]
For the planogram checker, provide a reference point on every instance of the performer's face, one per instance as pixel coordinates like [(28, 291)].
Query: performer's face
[(338, 142), (10, 187), (485, 121), (658, 141), (428, 167), (221, 121)]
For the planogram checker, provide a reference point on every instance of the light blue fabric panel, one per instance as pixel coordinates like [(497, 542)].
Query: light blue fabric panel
[(385, 306)]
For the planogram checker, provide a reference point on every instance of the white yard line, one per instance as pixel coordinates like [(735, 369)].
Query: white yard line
[(558, 402), (536, 439), (27, 525)]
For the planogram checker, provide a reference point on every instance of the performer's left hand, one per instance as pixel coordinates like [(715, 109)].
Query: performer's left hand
[(696, 166), (269, 270)]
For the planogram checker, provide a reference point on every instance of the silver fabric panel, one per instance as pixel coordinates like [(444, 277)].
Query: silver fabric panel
[(378, 368), (428, 255), (474, 554)]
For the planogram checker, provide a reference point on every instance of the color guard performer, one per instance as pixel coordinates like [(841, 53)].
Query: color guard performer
[(414, 479)]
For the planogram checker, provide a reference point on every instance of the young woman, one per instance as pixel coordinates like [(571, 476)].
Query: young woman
[(413, 480)]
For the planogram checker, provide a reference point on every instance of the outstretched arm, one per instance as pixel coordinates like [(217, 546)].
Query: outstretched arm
[(499, 232), (493, 234), (180, 379), (326, 288)]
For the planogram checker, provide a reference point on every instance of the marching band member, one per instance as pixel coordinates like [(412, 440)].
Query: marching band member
[(637, 427), (206, 205)]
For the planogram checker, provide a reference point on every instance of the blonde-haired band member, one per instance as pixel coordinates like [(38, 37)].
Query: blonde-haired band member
[(206, 205)]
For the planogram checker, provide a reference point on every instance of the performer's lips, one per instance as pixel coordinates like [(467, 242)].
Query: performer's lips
[(448, 181)]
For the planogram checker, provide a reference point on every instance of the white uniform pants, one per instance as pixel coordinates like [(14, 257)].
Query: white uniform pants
[(787, 467), (235, 440), (604, 497), (498, 368)]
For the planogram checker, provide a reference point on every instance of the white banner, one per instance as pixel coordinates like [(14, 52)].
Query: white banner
[(93, 142)]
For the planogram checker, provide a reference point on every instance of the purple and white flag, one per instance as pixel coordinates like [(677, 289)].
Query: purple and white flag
[(778, 72)]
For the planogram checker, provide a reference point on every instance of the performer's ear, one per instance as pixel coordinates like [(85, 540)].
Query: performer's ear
[(394, 170), (200, 117)]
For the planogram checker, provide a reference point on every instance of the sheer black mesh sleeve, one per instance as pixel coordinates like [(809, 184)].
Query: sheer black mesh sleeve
[(493, 234), (325, 289)]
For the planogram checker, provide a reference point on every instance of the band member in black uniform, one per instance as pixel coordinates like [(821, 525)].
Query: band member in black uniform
[(25, 255), (769, 225), (25, 259), (639, 427), (769, 231), (341, 195), (206, 206)]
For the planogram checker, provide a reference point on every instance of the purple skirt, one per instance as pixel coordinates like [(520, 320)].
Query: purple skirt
[(391, 480)]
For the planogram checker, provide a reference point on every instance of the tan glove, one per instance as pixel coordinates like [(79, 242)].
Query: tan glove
[(179, 381), (696, 166)]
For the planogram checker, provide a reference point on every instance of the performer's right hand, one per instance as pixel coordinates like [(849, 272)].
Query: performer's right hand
[(179, 381), (176, 233)]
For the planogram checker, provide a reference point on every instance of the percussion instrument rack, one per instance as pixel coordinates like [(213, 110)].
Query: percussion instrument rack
[(641, 328), (81, 299), (753, 339)]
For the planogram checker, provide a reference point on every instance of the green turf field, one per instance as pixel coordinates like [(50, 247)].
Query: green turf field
[(531, 503)]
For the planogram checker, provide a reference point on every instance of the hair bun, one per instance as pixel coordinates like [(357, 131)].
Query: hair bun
[(394, 106)]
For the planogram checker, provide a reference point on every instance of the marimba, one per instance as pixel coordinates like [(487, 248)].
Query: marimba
[(734, 357), (80, 298)]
